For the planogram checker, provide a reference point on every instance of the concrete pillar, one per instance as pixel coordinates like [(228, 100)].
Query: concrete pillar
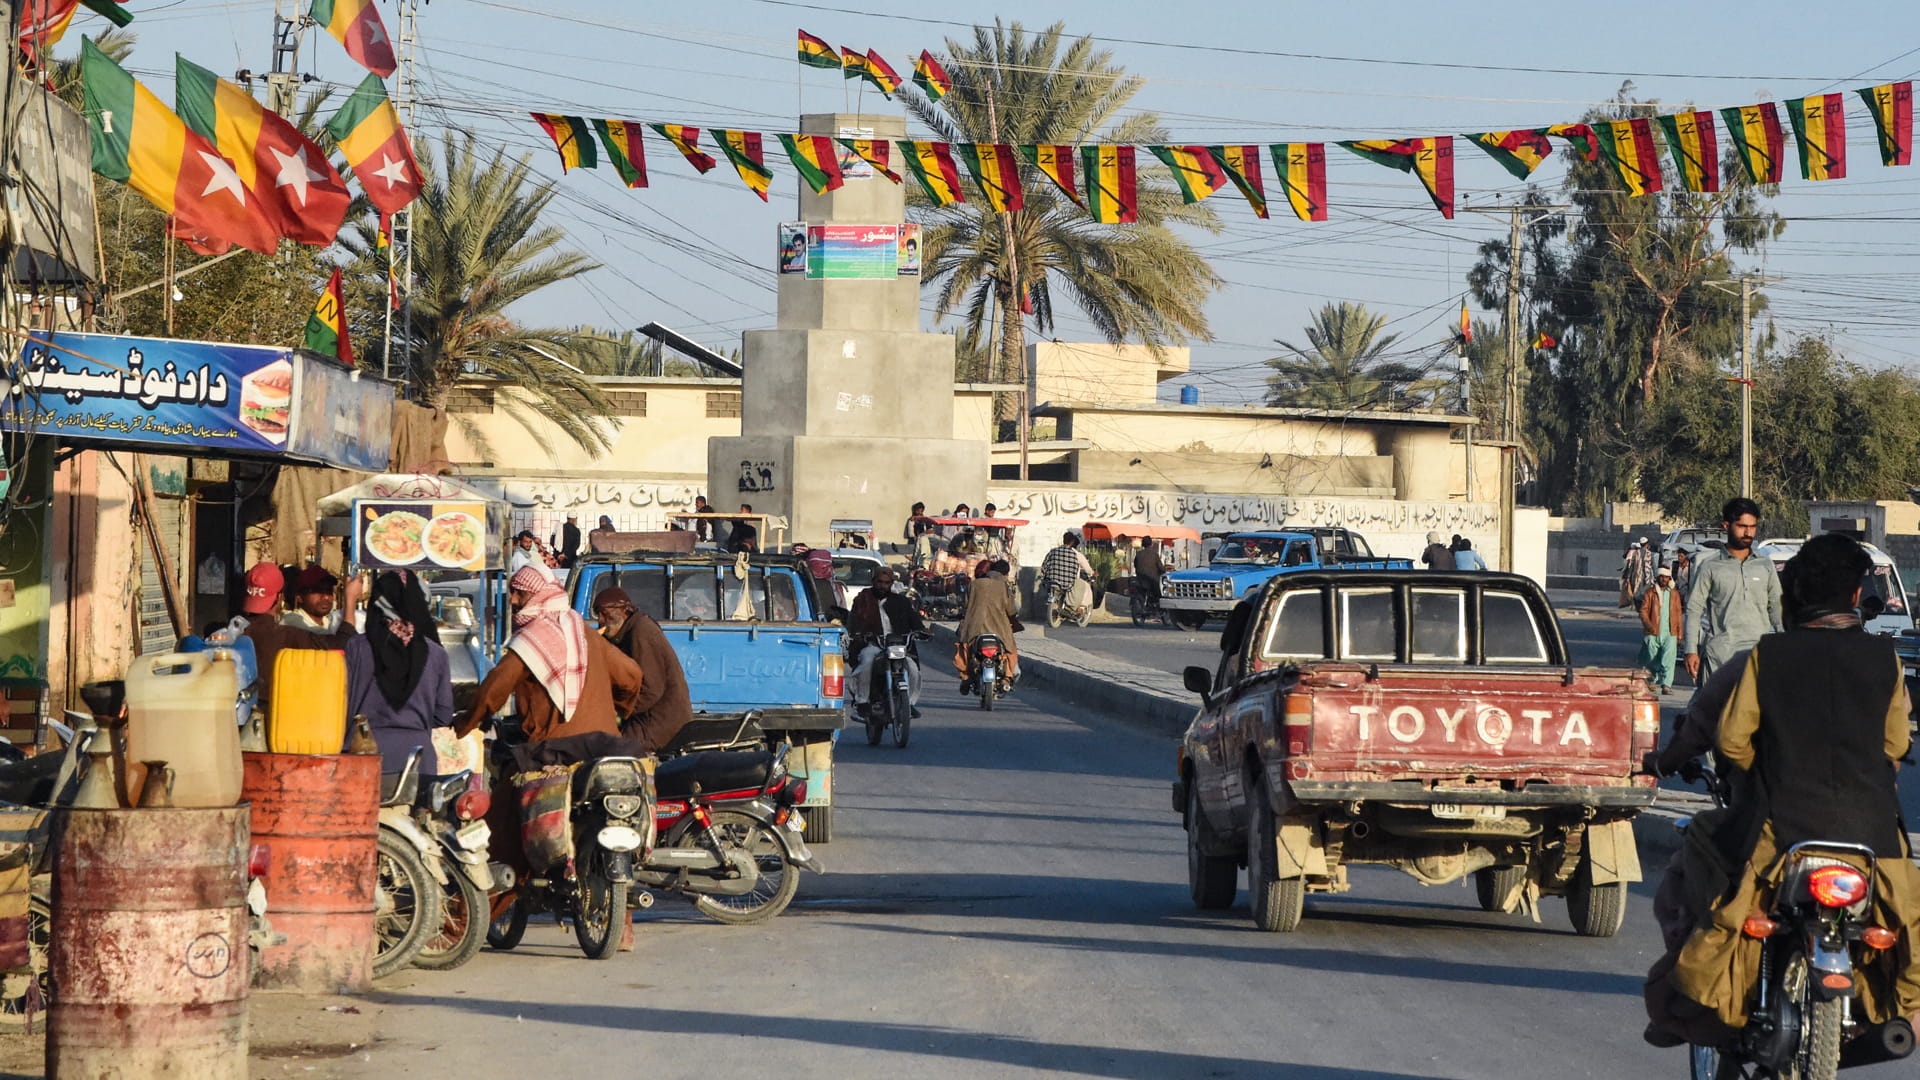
[(1420, 464)]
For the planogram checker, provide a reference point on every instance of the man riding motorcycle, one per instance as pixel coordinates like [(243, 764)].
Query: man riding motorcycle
[(1067, 569), (1809, 736), (1148, 568), (990, 610), (877, 612)]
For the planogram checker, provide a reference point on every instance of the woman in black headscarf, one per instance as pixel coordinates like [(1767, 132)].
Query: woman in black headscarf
[(397, 674)]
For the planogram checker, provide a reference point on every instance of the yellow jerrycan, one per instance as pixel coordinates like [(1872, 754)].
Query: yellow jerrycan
[(308, 714), (180, 711)]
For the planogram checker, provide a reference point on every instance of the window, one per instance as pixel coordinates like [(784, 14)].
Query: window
[(1367, 625), (1298, 629), (646, 586), (626, 402), (1439, 624), (1299, 553), (469, 400), (696, 596), (1508, 632), (722, 405)]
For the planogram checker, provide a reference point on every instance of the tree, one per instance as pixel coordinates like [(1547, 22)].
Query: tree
[(1346, 365), (1140, 281), (479, 248)]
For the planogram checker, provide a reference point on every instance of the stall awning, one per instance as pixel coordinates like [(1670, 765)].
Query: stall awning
[(1107, 530)]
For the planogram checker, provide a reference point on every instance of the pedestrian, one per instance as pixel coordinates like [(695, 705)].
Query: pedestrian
[(570, 541), (912, 529), (1735, 596), (398, 677), (702, 528), (1464, 557), (261, 605), (1438, 555), (526, 552), (1682, 571), (1662, 619), (313, 607), (744, 536)]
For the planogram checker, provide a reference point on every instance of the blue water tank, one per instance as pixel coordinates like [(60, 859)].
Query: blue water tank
[(1189, 395)]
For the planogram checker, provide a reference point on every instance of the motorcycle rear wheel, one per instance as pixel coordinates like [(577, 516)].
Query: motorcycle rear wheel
[(1053, 616), (779, 878), (407, 905), (1818, 1055), (1137, 608), (506, 930), (599, 907), (987, 688), (14, 999), (875, 727), (463, 925), (902, 716)]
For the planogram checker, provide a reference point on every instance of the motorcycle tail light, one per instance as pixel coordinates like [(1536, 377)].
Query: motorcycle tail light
[(989, 651), (1759, 927), (1837, 886), (1879, 937), (473, 805), (794, 793), (833, 675), (258, 859)]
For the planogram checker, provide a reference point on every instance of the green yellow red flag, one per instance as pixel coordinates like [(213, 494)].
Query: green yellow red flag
[(1430, 158), (1891, 105), (996, 172), (930, 77), (1695, 151), (1113, 192), (572, 138), (1579, 136), (1242, 166), (356, 24), (327, 327), (1758, 140), (875, 152), (368, 132), (931, 164), (882, 74), (1195, 172), (742, 148), (1820, 133), (624, 150), (1545, 341), (686, 140), (297, 188), (1055, 162), (815, 159), (1628, 146), (1302, 171), (817, 53), (1518, 152), (1466, 323)]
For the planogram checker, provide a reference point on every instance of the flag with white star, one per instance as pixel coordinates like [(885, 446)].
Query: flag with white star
[(290, 176)]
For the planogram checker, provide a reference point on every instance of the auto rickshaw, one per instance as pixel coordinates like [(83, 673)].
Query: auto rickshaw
[(940, 580), (1143, 603)]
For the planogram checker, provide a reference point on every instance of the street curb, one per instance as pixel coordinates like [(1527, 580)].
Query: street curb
[(1111, 687)]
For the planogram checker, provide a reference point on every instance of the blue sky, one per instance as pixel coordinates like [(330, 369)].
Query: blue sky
[(696, 253)]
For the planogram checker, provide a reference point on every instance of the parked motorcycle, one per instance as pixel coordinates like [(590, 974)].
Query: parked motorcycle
[(406, 891), (32, 787), (889, 700), (986, 670), (1059, 611), (452, 811), (731, 833)]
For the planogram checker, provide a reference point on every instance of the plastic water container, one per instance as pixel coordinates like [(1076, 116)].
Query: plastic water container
[(308, 714), (180, 711), (1189, 395)]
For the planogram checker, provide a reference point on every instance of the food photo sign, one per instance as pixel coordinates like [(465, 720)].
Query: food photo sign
[(420, 535)]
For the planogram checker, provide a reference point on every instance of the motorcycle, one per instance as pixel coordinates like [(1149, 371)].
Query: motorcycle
[(889, 701), (406, 888), (1146, 608), (731, 834), (986, 670), (1059, 611), (452, 811), (34, 787)]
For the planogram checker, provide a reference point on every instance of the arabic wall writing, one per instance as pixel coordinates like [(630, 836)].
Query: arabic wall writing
[(634, 505)]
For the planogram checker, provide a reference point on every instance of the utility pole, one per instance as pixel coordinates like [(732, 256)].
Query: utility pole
[(284, 81), (1517, 218), (401, 227), (1747, 282), (1013, 283)]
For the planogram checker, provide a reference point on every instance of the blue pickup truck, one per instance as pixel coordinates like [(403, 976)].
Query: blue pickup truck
[(763, 642), (1248, 560)]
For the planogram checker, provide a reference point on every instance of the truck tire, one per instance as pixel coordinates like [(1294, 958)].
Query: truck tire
[(1212, 880), (1595, 910), (819, 828), (1278, 903), (1189, 620), (1495, 883)]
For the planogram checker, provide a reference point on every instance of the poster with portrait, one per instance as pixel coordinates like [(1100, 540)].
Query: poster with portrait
[(793, 247), (908, 262)]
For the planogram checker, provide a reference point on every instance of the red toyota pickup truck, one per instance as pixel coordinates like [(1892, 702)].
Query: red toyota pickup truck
[(1423, 720)]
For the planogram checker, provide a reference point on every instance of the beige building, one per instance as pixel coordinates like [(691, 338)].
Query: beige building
[(1086, 371)]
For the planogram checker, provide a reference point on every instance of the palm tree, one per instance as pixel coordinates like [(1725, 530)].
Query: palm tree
[(1138, 281), (1346, 365), (478, 248)]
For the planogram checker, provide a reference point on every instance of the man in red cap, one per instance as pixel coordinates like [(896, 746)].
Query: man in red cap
[(261, 606)]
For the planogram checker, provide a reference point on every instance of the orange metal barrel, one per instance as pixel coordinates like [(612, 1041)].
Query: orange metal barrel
[(320, 815), (149, 948)]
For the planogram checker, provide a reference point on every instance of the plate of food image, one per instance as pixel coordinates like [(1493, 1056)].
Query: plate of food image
[(454, 539), (395, 537)]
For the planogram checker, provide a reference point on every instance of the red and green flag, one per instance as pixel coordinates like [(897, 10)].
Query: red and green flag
[(1055, 162), (686, 140), (817, 53), (141, 144), (1195, 172), (1695, 151), (1758, 140), (996, 172), (1113, 192), (1429, 158), (1518, 152), (1302, 171), (572, 138), (1578, 136), (742, 148), (621, 138), (356, 24), (815, 159), (368, 132), (868, 65), (1891, 105), (327, 326), (1242, 166), (931, 164), (1820, 133), (875, 152), (930, 77), (1628, 146), (290, 177)]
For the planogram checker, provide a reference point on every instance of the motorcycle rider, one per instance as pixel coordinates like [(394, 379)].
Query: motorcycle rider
[(1066, 569), (988, 611), (1811, 732), (664, 704), (1148, 569), (877, 612)]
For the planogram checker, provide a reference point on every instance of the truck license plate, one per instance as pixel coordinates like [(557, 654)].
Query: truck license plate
[(1469, 811)]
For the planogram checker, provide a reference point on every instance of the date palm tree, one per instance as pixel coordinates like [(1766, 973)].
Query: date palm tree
[(1139, 282), (1345, 365)]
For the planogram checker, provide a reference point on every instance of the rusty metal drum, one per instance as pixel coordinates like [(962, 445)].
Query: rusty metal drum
[(319, 814), (149, 945)]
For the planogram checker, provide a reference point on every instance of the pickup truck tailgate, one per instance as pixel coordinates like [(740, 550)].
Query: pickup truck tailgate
[(733, 667)]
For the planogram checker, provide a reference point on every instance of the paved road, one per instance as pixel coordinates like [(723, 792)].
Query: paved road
[(1008, 899)]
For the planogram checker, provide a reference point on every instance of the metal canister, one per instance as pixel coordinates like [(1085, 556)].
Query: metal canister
[(319, 814), (149, 948)]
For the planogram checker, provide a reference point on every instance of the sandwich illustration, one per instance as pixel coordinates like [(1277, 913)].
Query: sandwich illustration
[(266, 396)]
